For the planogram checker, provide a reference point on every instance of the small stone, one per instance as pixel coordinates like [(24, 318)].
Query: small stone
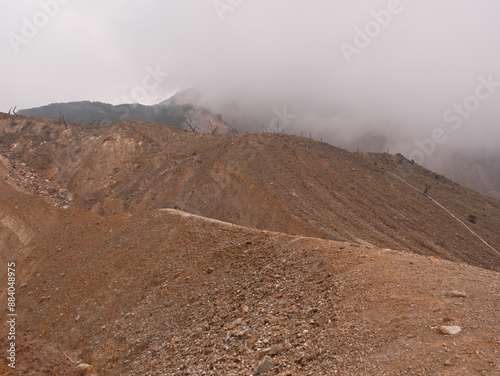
[(457, 294), (85, 369), (450, 329), (271, 350), (275, 349), (234, 324), (239, 333), (265, 365)]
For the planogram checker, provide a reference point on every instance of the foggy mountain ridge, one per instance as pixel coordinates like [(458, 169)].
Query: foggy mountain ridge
[(264, 62), (168, 112), (475, 168), (87, 112)]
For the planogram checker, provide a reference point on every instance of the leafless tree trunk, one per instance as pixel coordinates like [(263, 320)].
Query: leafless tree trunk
[(213, 131), (190, 124), (63, 120), (94, 120)]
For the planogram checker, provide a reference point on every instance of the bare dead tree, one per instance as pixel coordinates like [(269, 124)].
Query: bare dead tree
[(427, 187), (213, 131), (190, 124), (10, 110), (94, 120), (278, 128), (62, 120)]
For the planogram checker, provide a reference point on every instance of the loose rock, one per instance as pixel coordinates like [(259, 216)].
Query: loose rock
[(265, 365), (457, 294), (85, 369), (450, 329), (272, 350)]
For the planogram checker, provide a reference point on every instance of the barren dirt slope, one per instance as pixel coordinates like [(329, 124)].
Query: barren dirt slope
[(162, 292), (271, 182)]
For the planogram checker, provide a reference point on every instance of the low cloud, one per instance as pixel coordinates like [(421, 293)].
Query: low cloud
[(407, 63)]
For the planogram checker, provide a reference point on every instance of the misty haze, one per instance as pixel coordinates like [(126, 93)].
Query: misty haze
[(373, 76), (208, 139)]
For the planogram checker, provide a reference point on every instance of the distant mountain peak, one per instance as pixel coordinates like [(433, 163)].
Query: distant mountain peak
[(178, 111)]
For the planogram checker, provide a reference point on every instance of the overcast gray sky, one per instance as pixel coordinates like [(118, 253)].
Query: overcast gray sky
[(334, 64)]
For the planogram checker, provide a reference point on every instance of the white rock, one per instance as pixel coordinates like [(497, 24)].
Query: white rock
[(457, 294), (450, 329), (85, 369)]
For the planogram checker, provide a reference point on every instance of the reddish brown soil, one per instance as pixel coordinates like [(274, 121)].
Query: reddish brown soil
[(270, 182), (162, 293), (143, 290)]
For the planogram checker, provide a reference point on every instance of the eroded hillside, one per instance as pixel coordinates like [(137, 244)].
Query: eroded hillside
[(272, 182), (163, 292)]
